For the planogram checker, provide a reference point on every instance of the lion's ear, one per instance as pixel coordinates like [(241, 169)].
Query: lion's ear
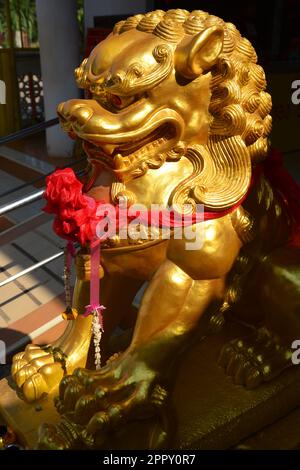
[(201, 53)]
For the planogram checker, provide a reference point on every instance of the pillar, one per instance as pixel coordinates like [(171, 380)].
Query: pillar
[(60, 54)]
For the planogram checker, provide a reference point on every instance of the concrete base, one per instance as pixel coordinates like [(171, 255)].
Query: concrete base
[(284, 434), (211, 412)]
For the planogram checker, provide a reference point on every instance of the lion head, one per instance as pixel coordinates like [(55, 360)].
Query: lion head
[(174, 85)]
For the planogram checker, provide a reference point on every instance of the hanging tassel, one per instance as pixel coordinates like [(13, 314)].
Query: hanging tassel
[(69, 253), (94, 308), (97, 330)]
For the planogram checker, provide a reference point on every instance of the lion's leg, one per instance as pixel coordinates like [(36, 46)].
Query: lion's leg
[(129, 387), (267, 351), (37, 371)]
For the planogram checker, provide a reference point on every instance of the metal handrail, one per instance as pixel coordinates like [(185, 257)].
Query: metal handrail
[(27, 199), (42, 177), (31, 268), (29, 131), (11, 233), (21, 202)]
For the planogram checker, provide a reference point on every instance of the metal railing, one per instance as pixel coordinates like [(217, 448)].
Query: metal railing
[(28, 131), (31, 197), (31, 268), (21, 202), (39, 178), (12, 232)]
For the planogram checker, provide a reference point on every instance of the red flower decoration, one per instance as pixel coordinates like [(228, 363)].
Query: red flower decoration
[(63, 191), (76, 218), (76, 214)]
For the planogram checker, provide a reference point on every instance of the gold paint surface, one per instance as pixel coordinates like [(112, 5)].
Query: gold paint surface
[(177, 114)]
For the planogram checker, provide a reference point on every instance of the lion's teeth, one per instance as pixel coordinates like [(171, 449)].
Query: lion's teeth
[(119, 162), (108, 148)]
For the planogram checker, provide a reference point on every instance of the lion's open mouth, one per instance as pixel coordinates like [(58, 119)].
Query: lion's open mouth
[(126, 155)]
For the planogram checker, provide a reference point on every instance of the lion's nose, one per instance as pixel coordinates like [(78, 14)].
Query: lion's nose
[(80, 114), (77, 113), (60, 111)]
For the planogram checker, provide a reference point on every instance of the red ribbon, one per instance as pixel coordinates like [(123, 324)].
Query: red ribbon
[(76, 213)]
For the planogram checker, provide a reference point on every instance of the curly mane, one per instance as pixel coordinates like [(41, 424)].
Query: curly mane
[(239, 105), (239, 108)]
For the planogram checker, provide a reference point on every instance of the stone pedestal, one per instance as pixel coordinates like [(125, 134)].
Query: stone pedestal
[(25, 418), (210, 412)]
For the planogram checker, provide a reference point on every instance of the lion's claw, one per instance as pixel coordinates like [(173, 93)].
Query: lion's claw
[(254, 360), (159, 396), (95, 403)]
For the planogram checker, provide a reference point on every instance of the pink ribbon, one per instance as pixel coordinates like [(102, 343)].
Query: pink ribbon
[(92, 308), (71, 252), (71, 248), (94, 305)]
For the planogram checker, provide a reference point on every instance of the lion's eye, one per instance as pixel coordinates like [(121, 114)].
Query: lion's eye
[(119, 102), (115, 100)]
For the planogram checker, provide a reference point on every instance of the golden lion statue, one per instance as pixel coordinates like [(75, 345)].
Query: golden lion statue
[(178, 114)]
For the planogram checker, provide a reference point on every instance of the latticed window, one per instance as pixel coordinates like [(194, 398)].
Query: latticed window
[(20, 64)]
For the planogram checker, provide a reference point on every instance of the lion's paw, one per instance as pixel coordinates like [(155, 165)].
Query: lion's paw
[(36, 371), (94, 404), (254, 360)]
